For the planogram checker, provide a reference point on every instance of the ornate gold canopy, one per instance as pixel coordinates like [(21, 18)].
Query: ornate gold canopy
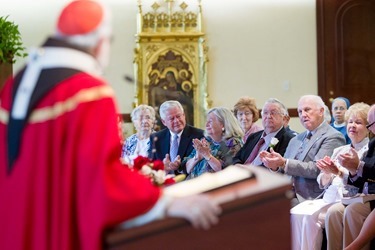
[(170, 59)]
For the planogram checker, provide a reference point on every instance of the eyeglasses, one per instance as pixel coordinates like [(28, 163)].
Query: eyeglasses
[(246, 113), (271, 113), (369, 126)]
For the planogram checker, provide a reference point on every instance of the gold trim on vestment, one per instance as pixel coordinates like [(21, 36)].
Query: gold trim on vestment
[(4, 116), (60, 108)]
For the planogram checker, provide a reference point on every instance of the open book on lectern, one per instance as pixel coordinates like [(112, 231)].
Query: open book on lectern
[(210, 181)]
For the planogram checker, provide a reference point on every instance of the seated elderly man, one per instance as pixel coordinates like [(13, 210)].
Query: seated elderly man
[(299, 160), (173, 143), (273, 115)]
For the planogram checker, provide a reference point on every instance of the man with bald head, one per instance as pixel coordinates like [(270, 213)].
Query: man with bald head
[(319, 140)]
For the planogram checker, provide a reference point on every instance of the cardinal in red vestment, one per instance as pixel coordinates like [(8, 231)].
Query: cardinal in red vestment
[(61, 181)]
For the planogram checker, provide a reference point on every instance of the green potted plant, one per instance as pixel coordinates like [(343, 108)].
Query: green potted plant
[(11, 47)]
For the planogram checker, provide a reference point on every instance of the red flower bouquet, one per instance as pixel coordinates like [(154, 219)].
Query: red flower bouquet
[(155, 171)]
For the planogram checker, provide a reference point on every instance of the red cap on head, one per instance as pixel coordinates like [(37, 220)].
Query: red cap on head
[(80, 17)]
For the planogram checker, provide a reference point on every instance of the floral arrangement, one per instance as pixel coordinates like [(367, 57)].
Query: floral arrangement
[(273, 142), (154, 170)]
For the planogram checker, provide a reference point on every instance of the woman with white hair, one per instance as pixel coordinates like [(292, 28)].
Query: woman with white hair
[(221, 143), (143, 118)]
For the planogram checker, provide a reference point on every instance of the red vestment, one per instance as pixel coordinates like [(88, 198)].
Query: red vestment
[(67, 185)]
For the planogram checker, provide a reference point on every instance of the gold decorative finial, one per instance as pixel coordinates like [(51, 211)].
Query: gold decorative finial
[(183, 6), (155, 6), (163, 17)]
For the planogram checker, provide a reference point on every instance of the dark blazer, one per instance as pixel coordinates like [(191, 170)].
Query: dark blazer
[(161, 145), (283, 136), (368, 174)]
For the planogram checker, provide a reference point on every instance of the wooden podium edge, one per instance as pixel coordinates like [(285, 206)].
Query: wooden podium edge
[(231, 198)]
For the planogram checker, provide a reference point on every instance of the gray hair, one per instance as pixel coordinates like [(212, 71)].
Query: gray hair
[(283, 109), (165, 106), (327, 114), (318, 101), (136, 111), (231, 125)]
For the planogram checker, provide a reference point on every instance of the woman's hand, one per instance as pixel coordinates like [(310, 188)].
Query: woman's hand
[(202, 147), (327, 166), (350, 161), (205, 149)]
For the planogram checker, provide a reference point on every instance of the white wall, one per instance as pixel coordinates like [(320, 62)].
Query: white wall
[(260, 48)]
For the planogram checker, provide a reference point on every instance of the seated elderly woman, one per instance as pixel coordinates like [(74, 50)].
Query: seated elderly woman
[(143, 118), (308, 217), (221, 142), (247, 114)]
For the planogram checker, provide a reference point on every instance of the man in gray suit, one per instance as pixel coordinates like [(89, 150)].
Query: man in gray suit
[(319, 140)]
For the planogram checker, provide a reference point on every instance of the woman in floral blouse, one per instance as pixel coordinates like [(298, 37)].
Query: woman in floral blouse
[(143, 118), (221, 142)]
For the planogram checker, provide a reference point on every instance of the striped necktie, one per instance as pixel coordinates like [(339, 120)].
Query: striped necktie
[(174, 148), (255, 151), (303, 145)]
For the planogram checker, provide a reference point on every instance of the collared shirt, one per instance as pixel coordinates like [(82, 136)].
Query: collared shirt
[(267, 140), (172, 136), (307, 132)]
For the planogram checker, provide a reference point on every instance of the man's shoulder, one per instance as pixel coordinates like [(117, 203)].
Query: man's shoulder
[(193, 130), (254, 137), (257, 134), (86, 80), (286, 134), (332, 132), (297, 138), (164, 131)]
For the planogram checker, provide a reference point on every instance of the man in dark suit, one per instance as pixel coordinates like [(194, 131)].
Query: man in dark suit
[(174, 142), (273, 115)]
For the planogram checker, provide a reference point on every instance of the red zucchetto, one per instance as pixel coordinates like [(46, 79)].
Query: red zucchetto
[(80, 17)]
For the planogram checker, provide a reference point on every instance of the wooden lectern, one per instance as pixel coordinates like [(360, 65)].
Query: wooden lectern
[(255, 216)]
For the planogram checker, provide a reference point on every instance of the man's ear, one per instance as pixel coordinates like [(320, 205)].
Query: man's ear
[(102, 51), (164, 123), (321, 111), (96, 49)]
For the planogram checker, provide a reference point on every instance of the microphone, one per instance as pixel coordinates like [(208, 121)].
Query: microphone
[(129, 79)]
